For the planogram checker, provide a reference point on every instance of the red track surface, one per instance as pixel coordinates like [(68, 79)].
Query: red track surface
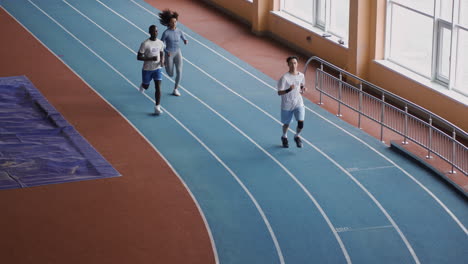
[(145, 216)]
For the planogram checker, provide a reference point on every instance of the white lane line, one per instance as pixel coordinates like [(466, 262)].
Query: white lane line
[(197, 204), (349, 229), (122, 17), (327, 219), (368, 169), (185, 128), (240, 131), (403, 237), (449, 212), (207, 47)]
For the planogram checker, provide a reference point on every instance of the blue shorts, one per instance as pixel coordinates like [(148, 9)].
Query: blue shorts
[(147, 76), (286, 116)]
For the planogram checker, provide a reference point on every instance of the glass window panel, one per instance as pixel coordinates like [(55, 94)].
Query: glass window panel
[(446, 10), (339, 18), (321, 15), (461, 75), (411, 40), (426, 6), (444, 53), (299, 8), (464, 13)]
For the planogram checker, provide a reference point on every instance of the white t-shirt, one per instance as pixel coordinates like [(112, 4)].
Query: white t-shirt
[(151, 48), (293, 99)]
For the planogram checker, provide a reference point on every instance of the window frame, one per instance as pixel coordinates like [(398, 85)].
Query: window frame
[(315, 21), (439, 25), (387, 51)]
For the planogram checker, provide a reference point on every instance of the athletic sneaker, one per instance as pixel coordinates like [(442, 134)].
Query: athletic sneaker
[(298, 142), (285, 142), (176, 92), (157, 110), (142, 89)]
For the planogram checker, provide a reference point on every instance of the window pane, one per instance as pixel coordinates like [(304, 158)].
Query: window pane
[(321, 13), (464, 13), (461, 78), (444, 50), (339, 19), (411, 40), (299, 8), (446, 10), (426, 6)]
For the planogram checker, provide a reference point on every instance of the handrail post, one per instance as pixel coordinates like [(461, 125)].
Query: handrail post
[(405, 135), (452, 171), (429, 143), (382, 118), (360, 105), (340, 85), (321, 84), (413, 129), (317, 74)]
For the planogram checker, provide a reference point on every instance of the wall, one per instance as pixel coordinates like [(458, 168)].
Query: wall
[(443, 106)]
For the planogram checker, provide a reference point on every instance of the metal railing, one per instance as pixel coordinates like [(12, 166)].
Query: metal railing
[(412, 122)]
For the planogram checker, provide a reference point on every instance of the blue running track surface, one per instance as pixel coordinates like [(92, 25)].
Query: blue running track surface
[(343, 198)]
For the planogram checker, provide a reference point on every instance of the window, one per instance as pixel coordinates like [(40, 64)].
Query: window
[(430, 38), (443, 52), (339, 18), (411, 43), (330, 16), (302, 9), (463, 14)]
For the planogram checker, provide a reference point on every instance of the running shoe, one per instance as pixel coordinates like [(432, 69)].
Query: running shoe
[(157, 110), (298, 142), (176, 92), (285, 142)]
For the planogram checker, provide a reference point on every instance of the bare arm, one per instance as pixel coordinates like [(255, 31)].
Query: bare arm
[(141, 57)]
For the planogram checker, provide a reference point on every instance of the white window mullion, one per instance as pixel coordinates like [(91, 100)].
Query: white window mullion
[(388, 26), (327, 15), (320, 12), (435, 42), (454, 43)]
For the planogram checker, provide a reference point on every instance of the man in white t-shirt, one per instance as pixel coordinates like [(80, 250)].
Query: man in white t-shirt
[(151, 52), (290, 87)]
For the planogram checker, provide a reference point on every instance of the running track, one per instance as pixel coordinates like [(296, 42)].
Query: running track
[(343, 198)]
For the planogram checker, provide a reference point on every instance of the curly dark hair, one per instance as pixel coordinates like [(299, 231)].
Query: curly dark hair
[(166, 15)]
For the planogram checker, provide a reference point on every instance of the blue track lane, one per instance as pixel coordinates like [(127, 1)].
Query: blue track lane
[(374, 209)]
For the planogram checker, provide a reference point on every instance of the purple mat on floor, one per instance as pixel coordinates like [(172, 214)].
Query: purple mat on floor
[(37, 145)]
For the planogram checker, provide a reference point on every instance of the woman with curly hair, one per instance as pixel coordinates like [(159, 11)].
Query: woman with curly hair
[(171, 37)]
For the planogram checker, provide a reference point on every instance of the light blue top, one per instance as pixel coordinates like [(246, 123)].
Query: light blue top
[(171, 39)]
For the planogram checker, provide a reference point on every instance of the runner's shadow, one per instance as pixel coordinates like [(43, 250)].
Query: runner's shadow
[(278, 149)]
